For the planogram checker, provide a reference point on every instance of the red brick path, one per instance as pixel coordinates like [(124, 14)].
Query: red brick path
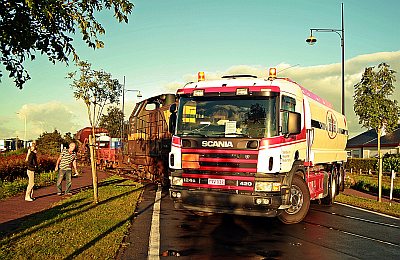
[(16, 207)]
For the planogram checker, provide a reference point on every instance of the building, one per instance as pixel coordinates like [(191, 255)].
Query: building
[(365, 145), (11, 144)]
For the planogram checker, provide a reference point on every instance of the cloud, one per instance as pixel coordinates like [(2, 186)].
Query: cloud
[(323, 80), (47, 117)]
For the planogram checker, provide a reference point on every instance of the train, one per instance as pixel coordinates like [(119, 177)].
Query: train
[(143, 153)]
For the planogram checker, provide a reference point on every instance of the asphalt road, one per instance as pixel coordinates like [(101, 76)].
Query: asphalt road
[(334, 232)]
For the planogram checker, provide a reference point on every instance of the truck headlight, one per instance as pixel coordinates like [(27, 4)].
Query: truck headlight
[(267, 186), (177, 181)]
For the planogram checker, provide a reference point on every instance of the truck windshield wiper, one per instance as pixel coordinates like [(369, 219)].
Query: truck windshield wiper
[(232, 134), (194, 134)]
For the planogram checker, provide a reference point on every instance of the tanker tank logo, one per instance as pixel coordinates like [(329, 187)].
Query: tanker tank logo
[(331, 123)]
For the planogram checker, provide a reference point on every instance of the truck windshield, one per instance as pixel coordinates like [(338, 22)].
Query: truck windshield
[(234, 117)]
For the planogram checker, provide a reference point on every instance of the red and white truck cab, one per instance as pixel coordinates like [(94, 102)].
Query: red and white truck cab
[(250, 146)]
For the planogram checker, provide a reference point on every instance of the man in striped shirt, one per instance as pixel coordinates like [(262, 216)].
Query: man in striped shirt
[(65, 161)]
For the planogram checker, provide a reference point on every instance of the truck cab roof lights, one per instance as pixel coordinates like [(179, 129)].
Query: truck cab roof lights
[(201, 76), (272, 74)]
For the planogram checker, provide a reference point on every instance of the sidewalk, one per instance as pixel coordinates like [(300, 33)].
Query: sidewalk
[(15, 209)]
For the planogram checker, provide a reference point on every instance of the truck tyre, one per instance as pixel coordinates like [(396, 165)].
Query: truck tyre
[(330, 198), (342, 175), (300, 200)]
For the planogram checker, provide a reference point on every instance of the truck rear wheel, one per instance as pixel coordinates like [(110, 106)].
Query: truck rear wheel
[(342, 175), (332, 188), (300, 202)]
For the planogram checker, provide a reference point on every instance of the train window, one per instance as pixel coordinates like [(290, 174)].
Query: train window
[(150, 106)]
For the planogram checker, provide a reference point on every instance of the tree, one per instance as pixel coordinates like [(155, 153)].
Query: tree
[(68, 138), (29, 27), (112, 121), (373, 106), (96, 89), (50, 143)]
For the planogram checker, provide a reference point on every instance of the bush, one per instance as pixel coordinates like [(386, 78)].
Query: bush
[(364, 164), (391, 163), (14, 166), (12, 188), (16, 152)]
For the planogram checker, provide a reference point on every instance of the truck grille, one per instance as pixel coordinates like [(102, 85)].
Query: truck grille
[(217, 169)]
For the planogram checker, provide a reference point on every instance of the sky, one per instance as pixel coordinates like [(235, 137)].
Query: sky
[(166, 43)]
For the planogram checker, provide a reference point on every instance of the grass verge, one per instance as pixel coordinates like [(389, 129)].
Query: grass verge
[(382, 207), (75, 228), (369, 183), (12, 188)]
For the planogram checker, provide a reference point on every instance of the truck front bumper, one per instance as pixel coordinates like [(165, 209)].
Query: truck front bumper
[(220, 202)]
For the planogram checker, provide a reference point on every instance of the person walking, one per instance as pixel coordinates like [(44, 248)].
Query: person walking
[(64, 165), (31, 161)]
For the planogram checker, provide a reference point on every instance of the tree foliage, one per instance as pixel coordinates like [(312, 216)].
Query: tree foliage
[(29, 27), (112, 121), (371, 99), (96, 88), (374, 108), (50, 143), (391, 163)]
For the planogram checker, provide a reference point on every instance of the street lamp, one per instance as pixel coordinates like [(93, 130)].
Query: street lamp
[(311, 40), (24, 128), (139, 95)]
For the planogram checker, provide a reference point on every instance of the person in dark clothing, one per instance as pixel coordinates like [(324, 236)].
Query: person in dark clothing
[(31, 161)]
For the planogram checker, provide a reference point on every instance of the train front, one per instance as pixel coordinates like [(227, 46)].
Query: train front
[(219, 159)]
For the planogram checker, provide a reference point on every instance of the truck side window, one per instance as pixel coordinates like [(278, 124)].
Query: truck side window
[(288, 104)]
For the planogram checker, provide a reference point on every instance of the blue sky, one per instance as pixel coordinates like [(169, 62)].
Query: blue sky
[(166, 43)]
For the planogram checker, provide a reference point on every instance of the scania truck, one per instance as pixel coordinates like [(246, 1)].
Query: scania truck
[(255, 146)]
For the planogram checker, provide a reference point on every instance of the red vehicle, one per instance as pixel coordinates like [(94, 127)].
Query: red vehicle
[(249, 146), (107, 151), (106, 147)]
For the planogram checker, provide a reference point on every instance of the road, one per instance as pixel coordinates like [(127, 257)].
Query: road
[(334, 232)]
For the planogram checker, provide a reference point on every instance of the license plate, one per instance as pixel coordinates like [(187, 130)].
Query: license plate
[(216, 182)]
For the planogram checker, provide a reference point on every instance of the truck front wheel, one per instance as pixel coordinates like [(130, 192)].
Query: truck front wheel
[(300, 202)]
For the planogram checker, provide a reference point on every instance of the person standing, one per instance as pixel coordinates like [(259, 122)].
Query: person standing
[(64, 165), (31, 161)]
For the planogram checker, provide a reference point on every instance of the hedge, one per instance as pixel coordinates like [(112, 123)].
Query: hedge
[(14, 166), (364, 164)]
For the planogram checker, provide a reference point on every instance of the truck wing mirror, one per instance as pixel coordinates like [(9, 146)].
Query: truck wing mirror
[(172, 119), (172, 108), (294, 123)]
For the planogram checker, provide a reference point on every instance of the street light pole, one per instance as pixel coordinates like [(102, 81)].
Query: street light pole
[(312, 40), (123, 113), (139, 95), (24, 128)]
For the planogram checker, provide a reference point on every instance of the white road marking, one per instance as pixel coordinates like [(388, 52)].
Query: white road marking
[(154, 239), (369, 238), (371, 221), (369, 211)]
